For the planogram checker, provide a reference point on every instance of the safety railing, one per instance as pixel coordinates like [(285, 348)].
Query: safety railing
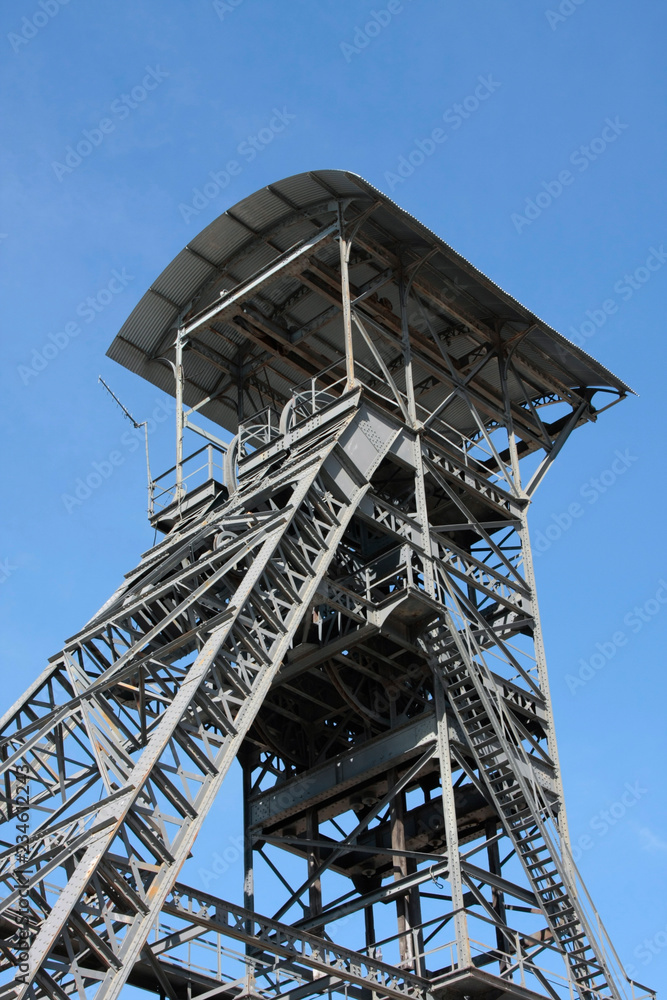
[(476, 448), (261, 429), (200, 467), (530, 962), (314, 394)]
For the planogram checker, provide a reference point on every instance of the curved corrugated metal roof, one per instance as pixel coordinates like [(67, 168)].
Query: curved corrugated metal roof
[(290, 327)]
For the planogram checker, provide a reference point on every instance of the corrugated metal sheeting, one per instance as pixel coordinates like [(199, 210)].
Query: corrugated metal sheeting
[(283, 342)]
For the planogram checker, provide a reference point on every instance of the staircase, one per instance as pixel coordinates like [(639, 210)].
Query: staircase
[(527, 809)]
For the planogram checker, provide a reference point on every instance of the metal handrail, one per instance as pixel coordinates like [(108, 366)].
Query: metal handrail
[(262, 428), (156, 492)]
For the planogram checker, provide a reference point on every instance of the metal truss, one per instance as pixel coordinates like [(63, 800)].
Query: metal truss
[(351, 616)]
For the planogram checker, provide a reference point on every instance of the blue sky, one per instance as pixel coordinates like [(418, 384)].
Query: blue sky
[(548, 174)]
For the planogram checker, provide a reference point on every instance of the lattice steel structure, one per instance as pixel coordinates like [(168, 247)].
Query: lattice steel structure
[(343, 602)]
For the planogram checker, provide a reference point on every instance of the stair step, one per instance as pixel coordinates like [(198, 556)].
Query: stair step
[(562, 897), (528, 824), (581, 964), (529, 838), (582, 976), (512, 799), (580, 951), (487, 743), (552, 887), (502, 780), (534, 850), (485, 735), (564, 926), (521, 814), (539, 864), (564, 911), (469, 696)]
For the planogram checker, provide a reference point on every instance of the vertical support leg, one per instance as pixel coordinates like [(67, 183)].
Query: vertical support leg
[(369, 925), (407, 355), (248, 863), (248, 859), (503, 942), (315, 888), (415, 919), (451, 830), (347, 309), (400, 871)]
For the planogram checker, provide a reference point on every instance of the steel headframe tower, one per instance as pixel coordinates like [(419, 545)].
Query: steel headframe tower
[(343, 602)]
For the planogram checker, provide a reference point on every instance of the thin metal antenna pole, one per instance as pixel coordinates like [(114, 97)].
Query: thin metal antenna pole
[(123, 408), (136, 425), (148, 469)]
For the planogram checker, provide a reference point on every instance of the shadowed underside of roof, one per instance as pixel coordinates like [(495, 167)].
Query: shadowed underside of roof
[(288, 325)]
